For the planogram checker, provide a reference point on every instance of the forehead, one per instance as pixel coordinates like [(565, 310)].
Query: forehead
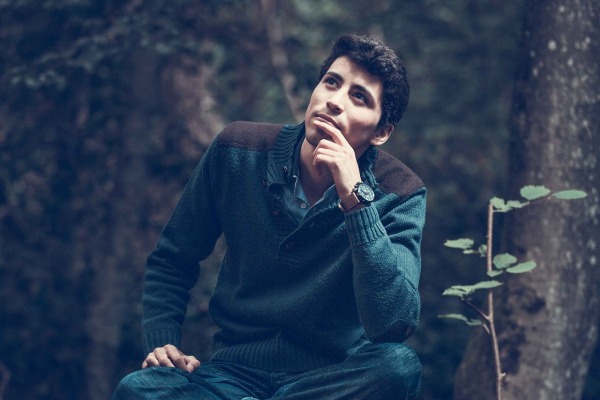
[(356, 75)]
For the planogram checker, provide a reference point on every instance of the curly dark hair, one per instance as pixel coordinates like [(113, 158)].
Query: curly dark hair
[(380, 61)]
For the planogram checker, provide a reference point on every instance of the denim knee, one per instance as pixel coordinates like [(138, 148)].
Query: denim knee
[(125, 388), (142, 383), (131, 385)]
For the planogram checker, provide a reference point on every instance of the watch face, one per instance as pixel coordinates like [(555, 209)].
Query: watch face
[(365, 193)]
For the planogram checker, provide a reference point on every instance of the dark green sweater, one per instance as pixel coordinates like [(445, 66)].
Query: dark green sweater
[(289, 297)]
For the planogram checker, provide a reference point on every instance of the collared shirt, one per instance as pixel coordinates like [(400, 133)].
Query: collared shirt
[(294, 199)]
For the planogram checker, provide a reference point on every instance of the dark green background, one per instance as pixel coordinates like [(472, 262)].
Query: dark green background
[(94, 152)]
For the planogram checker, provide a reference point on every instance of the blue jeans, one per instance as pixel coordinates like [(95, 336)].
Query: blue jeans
[(376, 371)]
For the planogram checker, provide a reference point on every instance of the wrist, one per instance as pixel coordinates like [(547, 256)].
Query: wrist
[(361, 196)]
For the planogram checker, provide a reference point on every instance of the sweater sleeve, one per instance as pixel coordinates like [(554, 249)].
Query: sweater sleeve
[(172, 269), (386, 257)]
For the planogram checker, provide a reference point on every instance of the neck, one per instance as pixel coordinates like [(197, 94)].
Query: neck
[(315, 180)]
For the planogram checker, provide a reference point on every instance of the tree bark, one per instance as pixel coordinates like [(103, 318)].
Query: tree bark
[(115, 260), (123, 243), (548, 319)]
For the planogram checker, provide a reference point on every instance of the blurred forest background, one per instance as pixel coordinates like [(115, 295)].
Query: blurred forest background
[(107, 106)]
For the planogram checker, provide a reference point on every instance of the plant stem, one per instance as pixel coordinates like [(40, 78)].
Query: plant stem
[(484, 317), (490, 306)]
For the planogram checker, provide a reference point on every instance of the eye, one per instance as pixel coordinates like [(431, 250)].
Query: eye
[(360, 96), (328, 80)]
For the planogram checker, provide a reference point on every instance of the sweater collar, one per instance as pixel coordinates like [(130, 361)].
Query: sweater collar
[(281, 157)]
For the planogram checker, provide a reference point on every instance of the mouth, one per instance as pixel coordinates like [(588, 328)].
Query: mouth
[(326, 118)]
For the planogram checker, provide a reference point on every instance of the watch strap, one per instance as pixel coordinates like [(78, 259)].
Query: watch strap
[(350, 202)]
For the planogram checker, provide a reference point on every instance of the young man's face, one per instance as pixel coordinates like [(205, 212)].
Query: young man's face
[(349, 99)]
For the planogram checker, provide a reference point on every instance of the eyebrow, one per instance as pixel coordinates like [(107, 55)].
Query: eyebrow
[(361, 88)]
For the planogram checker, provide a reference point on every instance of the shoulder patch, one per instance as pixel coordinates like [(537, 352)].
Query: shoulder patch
[(393, 176), (249, 135)]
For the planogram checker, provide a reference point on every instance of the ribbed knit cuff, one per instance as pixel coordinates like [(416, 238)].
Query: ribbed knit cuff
[(159, 338), (364, 226)]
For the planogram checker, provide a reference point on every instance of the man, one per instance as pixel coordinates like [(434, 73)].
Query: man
[(319, 285)]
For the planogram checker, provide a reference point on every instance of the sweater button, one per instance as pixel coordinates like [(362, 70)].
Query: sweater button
[(290, 246), (275, 212)]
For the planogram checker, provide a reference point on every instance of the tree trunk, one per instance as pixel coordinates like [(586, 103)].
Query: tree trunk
[(122, 244), (548, 319), (115, 260)]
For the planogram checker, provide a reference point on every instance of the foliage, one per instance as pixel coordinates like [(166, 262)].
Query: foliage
[(496, 265)]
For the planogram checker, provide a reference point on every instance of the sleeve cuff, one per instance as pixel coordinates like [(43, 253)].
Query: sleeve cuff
[(160, 338), (364, 226)]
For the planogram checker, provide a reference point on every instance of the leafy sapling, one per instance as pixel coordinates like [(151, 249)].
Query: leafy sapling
[(496, 266)]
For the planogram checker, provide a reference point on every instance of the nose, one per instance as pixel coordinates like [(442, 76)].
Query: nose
[(335, 103)]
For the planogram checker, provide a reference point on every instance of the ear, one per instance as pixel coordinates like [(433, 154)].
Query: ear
[(382, 134)]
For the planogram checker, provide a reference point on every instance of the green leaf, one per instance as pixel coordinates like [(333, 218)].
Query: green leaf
[(486, 285), (494, 273), (570, 194), (516, 204), (470, 322), (458, 291), (459, 243), (464, 291), (482, 250), (534, 192), (505, 206), (504, 260), (522, 267), (499, 204)]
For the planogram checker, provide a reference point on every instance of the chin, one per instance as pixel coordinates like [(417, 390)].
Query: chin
[(314, 136), (313, 141)]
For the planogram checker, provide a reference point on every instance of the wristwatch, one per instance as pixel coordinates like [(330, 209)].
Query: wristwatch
[(361, 194)]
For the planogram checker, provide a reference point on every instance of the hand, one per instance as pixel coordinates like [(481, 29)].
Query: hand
[(339, 157), (170, 356)]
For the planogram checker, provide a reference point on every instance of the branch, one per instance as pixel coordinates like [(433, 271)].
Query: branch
[(490, 305), (484, 317), (490, 227)]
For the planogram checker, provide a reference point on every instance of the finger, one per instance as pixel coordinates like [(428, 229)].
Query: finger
[(176, 357), (333, 153), (332, 131), (192, 363), (330, 148), (343, 167), (328, 145), (334, 159), (150, 361), (322, 158), (162, 357)]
